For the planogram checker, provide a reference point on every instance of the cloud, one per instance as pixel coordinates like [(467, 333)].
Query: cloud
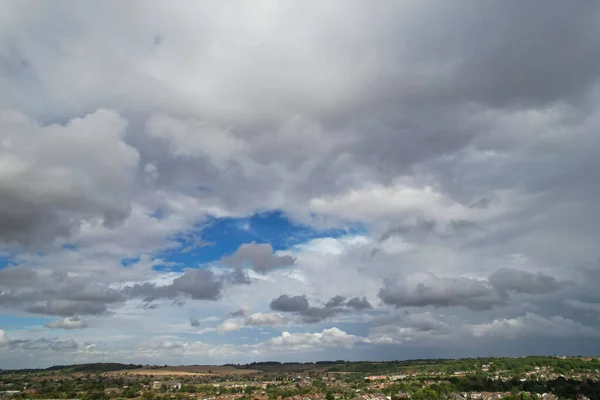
[(332, 337), (3, 338), (37, 345), (56, 176), (240, 313), (582, 305), (259, 256), (429, 290), (397, 329), (532, 325), (199, 284), (230, 325), (195, 322), (359, 304), (336, 301), (67, 323), (316, 314), (312, 314), (512, 280), (265, 319), (450, 161), (68, 308), (287, 303)]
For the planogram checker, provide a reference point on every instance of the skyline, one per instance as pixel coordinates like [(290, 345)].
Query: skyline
[(212, 183)]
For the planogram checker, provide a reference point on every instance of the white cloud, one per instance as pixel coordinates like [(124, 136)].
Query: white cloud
[(67, 323), (230, 325), (376, 202), (265, 319), (332, 337)]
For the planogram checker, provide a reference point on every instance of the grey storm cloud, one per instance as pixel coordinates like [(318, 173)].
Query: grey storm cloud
[(513, 280), (336, 301), (440, 292), (35, 212), (259, 256), (287, 303), (313, 314), (316, 314), (54, 293), (199, 284), (358, 303), (466, 292), (65, 296)]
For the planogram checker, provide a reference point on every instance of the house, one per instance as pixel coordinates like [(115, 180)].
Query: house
[(172, 385)]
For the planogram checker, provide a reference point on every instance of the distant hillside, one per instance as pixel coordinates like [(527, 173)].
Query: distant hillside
[(91, 368)]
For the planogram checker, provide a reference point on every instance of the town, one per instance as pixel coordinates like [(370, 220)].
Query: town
[(547, 378)]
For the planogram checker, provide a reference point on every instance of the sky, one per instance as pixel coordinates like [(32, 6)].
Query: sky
[(195, 182)]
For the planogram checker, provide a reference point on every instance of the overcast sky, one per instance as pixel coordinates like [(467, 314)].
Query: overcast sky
[(212, 182)]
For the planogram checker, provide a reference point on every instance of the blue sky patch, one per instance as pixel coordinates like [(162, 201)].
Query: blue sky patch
[(222, 236)]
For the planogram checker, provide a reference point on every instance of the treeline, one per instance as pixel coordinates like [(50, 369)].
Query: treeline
[(92, 367), (514, 365), (564, 388)]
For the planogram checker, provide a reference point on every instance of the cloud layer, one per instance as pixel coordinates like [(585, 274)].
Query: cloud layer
[(409, 180)]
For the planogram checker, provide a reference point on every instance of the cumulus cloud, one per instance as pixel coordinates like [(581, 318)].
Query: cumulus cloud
[(265, 319), (359, 303), (287, 303), (420, 290), (313, 314), (56, 176), (259, 256), (510, 279), (199, 284), (430, 290), (332, 337)]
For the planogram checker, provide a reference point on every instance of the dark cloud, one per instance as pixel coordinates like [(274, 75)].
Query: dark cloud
[(440, 292), (313, 315), (287, 303), (65, 308), (33, 213), (195, 322), (336, 301), (359, 304), (259, 256), (469, 293), (199, 284), (513, 280)]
